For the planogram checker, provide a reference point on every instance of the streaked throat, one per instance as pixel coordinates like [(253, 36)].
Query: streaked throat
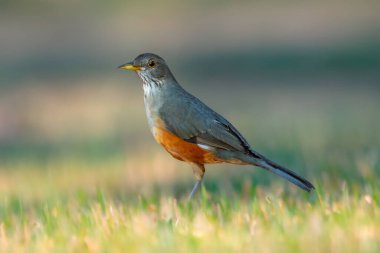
[(150, 85)]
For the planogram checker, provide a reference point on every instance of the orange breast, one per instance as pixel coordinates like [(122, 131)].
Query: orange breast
[(181, 149)]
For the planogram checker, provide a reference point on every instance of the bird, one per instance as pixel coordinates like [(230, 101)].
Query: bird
[(190, 130)]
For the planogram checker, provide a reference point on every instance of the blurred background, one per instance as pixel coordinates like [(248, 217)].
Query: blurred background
[(300, 80)]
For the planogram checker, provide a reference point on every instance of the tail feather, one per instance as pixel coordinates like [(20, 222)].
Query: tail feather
[(285, 173), (259, 160)]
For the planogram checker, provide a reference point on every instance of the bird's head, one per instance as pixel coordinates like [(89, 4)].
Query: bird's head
[(149, 67)]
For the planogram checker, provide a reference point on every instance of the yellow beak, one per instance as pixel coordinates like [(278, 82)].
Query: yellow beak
[(129, 66)]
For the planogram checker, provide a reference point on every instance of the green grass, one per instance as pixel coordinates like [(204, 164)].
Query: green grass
[(69, 207)]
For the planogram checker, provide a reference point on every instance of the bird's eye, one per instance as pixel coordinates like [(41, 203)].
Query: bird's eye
[(151, 63)]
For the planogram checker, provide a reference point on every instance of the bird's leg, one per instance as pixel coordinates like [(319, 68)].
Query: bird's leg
[(195, 188), (199, 171)]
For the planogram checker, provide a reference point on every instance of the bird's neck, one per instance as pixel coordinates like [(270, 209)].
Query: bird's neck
[(155, 86), (151, 89)]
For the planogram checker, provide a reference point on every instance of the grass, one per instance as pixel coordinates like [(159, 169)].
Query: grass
[(55, 210)]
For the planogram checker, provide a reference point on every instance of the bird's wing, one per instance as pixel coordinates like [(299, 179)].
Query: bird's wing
[(197, 123), (221, 135)]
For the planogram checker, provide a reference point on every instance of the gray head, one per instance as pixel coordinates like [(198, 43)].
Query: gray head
[(150, 68)]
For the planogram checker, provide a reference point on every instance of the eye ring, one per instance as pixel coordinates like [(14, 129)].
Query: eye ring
[(151, 64)]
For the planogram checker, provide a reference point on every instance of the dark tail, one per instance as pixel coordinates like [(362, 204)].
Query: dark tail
[(285, 173), (259, 160)]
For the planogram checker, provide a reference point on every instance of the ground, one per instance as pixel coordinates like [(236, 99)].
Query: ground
[(56, 210)]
